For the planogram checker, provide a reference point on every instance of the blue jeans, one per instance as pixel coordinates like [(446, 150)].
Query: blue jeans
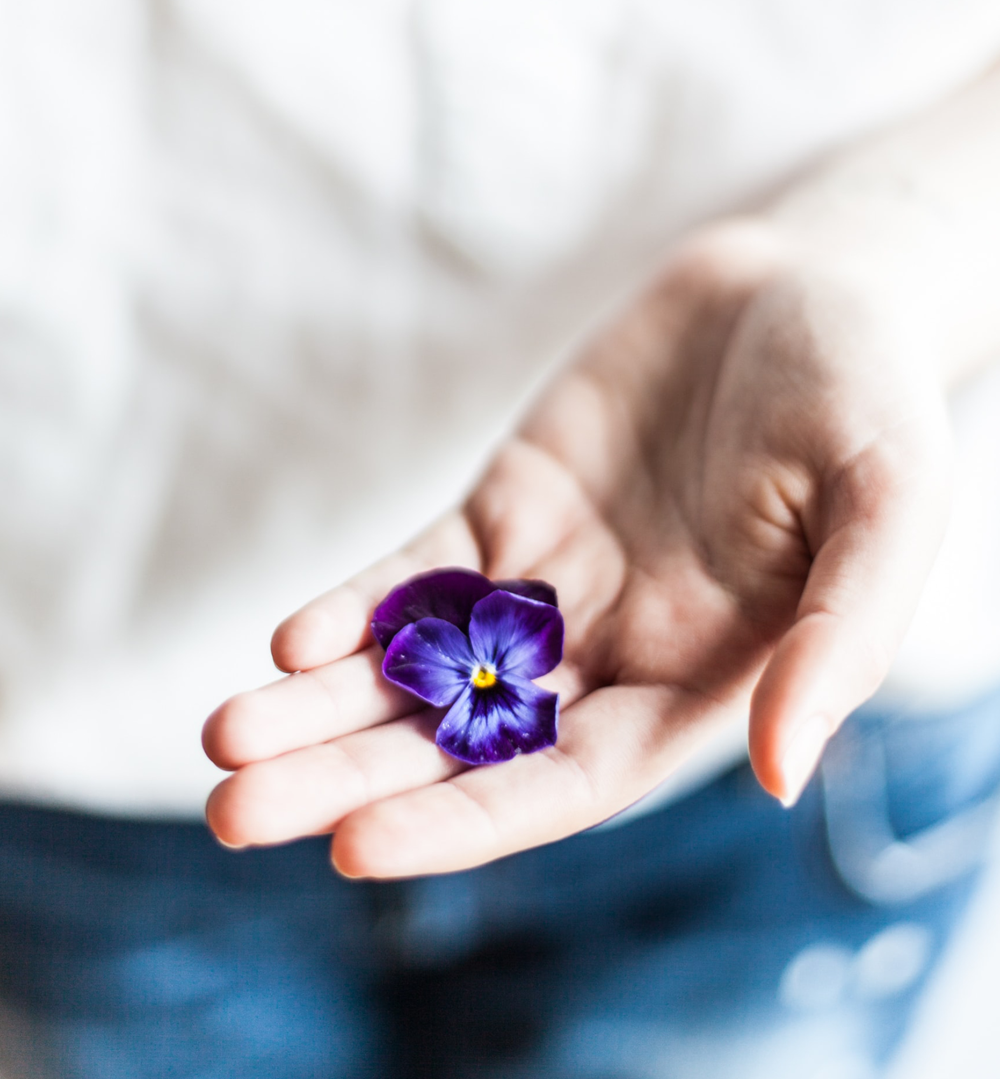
[(719, 937)]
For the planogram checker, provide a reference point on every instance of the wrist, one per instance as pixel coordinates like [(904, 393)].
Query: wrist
[(891, 247), (851, 276), (912, 217)]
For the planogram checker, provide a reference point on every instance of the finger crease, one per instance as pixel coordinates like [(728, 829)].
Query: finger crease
[(330, 695), (483, 811), (357, 769)]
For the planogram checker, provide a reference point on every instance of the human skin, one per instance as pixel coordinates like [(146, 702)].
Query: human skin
[(738, 491)]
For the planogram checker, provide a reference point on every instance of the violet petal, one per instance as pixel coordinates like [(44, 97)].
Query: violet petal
[(430, 658), (488, 726), (517, 636), (541, 591), (442, 593)]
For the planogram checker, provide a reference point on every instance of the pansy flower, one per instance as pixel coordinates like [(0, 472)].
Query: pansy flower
[(460, 641)]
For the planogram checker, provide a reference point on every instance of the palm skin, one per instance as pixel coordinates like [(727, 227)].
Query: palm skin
[(737, 492)]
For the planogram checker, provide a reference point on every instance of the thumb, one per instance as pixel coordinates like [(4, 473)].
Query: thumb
[(887, 512)]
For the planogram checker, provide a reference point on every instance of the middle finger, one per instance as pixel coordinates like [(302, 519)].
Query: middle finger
[(304, 709)]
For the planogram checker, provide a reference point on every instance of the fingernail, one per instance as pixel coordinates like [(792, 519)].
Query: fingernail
[(346, 874), (230, 846), (801, 757)]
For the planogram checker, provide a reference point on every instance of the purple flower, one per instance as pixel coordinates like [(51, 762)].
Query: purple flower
[(463, 642)]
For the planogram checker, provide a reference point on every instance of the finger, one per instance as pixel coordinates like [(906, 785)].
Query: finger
[(337, 623), (615, 745), (535, 520), (302, 710), (862, 589), (308, 791), (305, 792)]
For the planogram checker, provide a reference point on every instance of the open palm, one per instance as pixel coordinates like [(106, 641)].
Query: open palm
[(737, 492)]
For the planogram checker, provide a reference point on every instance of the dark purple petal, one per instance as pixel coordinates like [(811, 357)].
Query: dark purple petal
[(517, 636), (430, 658), (541, 591), (488, 726), (442, 593)]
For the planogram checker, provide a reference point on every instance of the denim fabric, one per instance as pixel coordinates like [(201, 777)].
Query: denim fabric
[(719, 937)]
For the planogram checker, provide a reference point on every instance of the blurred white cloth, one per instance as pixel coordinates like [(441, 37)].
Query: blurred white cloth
[(274, 277)]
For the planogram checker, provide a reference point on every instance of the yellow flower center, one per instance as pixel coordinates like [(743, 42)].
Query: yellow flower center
[(484, 677)]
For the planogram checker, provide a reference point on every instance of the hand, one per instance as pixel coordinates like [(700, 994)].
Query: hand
[(737, 492)]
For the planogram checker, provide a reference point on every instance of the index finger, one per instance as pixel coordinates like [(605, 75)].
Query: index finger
[(336, 624)]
